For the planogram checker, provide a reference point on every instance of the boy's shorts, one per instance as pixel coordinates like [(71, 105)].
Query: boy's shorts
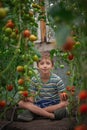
[(61, 113), (45, 103)]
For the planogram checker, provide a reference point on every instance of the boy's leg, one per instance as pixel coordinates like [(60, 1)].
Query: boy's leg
[(61, 113), (52, 108), (35, 109), (26, 115)]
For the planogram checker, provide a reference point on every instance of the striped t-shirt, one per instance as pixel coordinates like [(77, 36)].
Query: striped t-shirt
[(48, 93)]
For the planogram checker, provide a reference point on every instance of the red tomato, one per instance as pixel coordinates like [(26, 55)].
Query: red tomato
[(73, 88), (2, 103), (25, 93), (68, 46), (81, 127), (26, 33), (10, 24), (83, 109), (83, 95), (21, 81), (68, 88), (10, 87), (70, 56)]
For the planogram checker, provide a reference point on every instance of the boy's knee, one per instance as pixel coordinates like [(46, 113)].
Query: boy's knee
[(21, 103), (24, 104), (61, 113)]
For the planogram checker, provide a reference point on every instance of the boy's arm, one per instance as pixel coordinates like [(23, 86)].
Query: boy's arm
[(61, 90)]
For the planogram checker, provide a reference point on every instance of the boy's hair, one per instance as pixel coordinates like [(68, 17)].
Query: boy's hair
[(46, 55)]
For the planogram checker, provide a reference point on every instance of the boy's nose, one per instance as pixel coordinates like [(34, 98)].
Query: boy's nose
[(45, 65)]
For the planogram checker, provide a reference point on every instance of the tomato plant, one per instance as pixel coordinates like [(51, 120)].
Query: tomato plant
[(19, 23)]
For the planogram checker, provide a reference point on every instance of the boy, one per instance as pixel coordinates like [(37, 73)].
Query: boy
[(50, 102)]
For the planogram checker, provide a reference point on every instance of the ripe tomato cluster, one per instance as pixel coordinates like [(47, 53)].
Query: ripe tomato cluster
[(10, 32), (70, 90)]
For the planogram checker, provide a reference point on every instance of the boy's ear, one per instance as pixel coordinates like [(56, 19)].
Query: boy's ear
[(37, 66), (52, 66)]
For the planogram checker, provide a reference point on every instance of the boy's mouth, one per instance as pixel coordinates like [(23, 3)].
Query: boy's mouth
[(44, 69)]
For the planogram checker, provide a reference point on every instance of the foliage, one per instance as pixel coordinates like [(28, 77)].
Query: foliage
[(69, 19)]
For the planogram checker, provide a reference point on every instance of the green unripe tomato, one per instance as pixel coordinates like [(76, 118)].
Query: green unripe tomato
[(13, 35), (6, 39), (8, 31), (61, 66), (35, 58)]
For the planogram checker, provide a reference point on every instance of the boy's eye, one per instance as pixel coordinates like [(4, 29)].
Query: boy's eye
[(41, 63), (48, 63)]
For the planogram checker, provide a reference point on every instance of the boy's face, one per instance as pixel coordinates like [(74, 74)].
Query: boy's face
[(45, 66)]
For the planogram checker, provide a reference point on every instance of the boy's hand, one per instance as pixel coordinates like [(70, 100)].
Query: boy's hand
[(64, 96), (25, 99), (28, 99), (64, 104)]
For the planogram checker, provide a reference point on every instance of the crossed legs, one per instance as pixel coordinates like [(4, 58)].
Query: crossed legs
[(46, 112)]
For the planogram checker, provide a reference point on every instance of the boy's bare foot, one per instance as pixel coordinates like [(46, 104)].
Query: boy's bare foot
[(52, 116)]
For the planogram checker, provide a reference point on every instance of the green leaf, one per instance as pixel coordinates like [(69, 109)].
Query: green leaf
[(61, 34)]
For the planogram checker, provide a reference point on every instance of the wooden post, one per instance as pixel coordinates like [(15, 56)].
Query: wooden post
[(43, 27)]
